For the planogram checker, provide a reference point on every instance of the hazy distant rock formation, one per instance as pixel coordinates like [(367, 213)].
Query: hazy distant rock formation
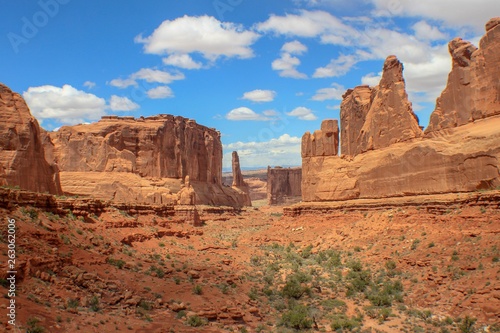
[(238, 182), (22, 156), (323, 142), (142, 160), (473, 88), (374, 118), (284, 185), (384, 152)]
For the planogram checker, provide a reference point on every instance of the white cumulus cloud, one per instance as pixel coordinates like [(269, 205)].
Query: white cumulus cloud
[(182, 61), (160, 92), (244, 113), (287, 66), (294, 47), (334, 92), (302, 113), (284, 150), (200, 34), (453, 13), (117, 103), (259, 95), (65, 104), (89, 84)]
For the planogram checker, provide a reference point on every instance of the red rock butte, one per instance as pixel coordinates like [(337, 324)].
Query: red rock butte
[(384, 150)]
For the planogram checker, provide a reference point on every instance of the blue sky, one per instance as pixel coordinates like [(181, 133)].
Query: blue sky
[(261, 72)]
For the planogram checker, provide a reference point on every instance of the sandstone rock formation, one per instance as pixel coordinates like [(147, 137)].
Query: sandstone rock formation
[(473, 89), (141, 160), (187, 195), (284, 185), (237, 176), (353, 110), (380, 119), (238, 182), (323, 142), (384, 151), (22, 159), (467, 159)]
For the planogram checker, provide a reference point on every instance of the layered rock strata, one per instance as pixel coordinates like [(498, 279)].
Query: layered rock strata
[(284, 185), (323, 142), (384, 152), (473, 88), (22, 155), (142, 160)]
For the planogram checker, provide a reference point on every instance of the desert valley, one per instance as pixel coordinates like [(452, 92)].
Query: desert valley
[(129, 224)]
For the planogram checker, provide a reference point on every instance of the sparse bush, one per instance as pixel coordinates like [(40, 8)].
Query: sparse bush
[(72, 303), (415, 243), (94, 304), (467, 324), (390, 265), (196, 321), (33, 326), (341, 321), (197, 290), (116, 262), (297, 317)]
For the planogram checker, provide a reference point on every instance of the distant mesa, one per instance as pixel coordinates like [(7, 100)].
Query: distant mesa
[(119, 159), (284, 185), (385, 153)]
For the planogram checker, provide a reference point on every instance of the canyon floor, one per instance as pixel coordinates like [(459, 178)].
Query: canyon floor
[(405, 269)]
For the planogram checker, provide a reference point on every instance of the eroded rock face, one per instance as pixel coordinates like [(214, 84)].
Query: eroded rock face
[(468, 160), (379, 117), (238, 182), (323, 142), (162, 146), (22, 156), (142, 160), (353, 110), (284, 185), (237, 176), (473, 88)]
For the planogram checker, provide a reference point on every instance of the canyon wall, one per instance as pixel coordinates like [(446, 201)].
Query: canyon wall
[(385, 152), (22, 155), (473, 88), (141, 160), (284, 185)]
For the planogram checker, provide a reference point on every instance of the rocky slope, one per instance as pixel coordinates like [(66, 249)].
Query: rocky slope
[(472, 91), (143, 160), (22, 155)]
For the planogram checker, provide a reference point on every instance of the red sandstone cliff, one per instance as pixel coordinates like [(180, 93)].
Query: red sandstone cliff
[(323, 142), (376, 118), (284, 185), (389, 156), (22, 156), (473, 88), (141, 160)]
